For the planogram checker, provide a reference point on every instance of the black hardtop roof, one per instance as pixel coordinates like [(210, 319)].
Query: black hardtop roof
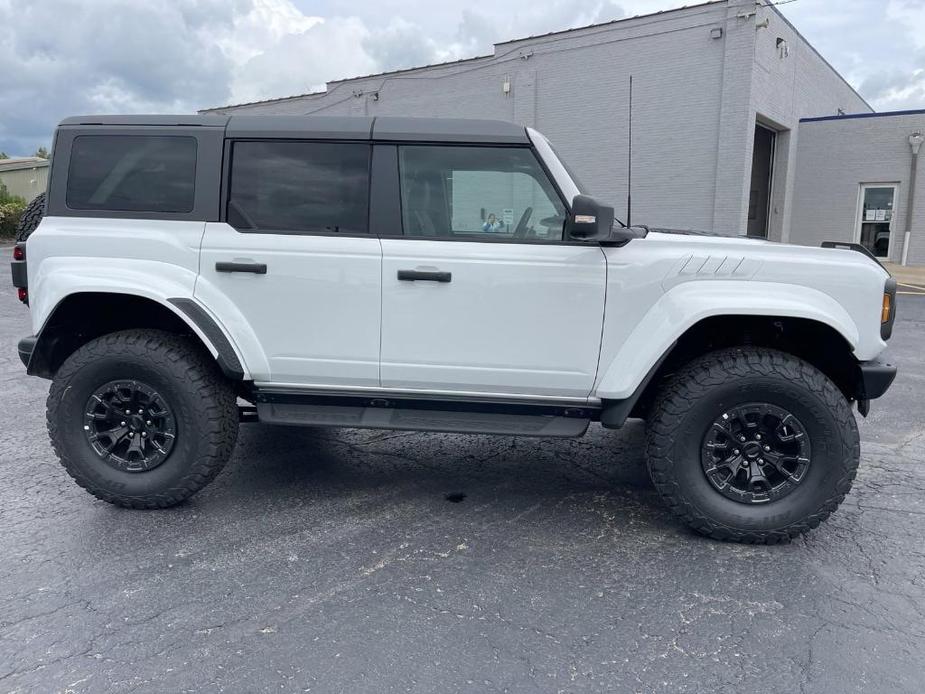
[(382, 128)]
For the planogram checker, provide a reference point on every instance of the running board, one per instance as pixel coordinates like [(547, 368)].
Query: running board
[(453, 418)]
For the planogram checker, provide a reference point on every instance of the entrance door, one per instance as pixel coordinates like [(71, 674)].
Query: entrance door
[(480, 295), (875, 218), (759, 201)]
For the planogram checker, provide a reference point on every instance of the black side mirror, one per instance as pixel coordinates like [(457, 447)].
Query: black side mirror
[(589, 221), (592, 222)]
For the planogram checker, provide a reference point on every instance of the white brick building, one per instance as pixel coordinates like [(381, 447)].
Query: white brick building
[(719, 91)]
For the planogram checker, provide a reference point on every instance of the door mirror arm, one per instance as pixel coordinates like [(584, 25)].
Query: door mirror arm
[(593, 222)]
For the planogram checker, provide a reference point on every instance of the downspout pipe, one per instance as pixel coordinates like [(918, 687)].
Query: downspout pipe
[(915, 141)]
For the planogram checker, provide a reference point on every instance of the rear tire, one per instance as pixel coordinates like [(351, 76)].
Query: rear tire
[(142, 418), (703, 454), (31, 217)]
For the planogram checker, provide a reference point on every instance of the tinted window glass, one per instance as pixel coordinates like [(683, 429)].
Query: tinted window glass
[(299, 187), (496, 192), (132, 173)]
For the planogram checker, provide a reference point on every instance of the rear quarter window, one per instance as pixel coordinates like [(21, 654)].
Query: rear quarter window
[(132, 173)]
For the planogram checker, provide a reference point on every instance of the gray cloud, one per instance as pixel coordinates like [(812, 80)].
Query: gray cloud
[(77, 57), (401, 44)]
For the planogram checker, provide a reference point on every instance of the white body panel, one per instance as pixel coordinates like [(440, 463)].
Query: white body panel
[(155, 259), (517, 318), (313, 319), (660, 286)]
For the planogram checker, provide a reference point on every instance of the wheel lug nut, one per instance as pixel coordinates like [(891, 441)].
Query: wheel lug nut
[(757, 437), (742, 439), (128, 412), (735, 452), (144, 433), (149, 424), (767, 448), (121, 424)]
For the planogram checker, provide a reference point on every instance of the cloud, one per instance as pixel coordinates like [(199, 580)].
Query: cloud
[(302, 62), (66, 57), (876, 45), (78, 57), (71, 57)]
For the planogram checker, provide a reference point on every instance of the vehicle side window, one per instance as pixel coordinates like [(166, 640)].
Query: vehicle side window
[(132, 173), (478, 192), (299, 187)]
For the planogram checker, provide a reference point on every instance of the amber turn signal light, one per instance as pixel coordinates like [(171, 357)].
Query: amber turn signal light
[(887, 308)]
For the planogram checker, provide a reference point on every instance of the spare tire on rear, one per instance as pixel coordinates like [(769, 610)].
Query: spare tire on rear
[(31, 217)]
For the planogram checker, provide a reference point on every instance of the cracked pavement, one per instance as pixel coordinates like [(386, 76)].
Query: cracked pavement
[(331, 561)]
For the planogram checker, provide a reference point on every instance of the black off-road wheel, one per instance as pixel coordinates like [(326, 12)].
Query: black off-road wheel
[(142, 418), (752, 445), (31, 217)]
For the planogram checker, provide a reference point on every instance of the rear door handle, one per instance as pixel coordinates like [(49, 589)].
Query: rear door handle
[(424, 276), (255, 268)]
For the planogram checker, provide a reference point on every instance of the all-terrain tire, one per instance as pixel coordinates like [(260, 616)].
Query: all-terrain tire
[(31, 217), (202, 402), (700, 393)]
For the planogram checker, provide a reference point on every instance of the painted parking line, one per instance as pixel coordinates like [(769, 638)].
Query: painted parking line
[(916, 289)]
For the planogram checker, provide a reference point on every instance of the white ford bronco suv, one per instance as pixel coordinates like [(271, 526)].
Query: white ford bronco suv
[(186, 274)]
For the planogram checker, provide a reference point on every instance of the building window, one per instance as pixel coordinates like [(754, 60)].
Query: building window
[(875, 223)]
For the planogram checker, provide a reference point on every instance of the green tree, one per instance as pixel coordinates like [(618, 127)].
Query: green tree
[(41, 152), (11, 209), (4, 155)]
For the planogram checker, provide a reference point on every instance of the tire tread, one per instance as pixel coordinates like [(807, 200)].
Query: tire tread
[(681, 393), (205, 383)]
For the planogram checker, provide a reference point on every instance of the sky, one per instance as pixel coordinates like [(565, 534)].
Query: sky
[(69, 57)]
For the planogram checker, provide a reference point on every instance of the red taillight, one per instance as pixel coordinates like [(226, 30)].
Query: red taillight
[(23, 294), (19, 253)]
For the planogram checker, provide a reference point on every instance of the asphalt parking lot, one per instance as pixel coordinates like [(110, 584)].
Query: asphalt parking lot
[(333, 561)]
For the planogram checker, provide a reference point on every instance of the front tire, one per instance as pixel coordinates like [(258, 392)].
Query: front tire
[(141, 418), (752, 445)]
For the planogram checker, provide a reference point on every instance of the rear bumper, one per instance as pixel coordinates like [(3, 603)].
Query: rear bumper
[(874, 379), (26, 348)]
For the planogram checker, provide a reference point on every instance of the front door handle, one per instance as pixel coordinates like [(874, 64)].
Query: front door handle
[(255, 268), (424, 276)]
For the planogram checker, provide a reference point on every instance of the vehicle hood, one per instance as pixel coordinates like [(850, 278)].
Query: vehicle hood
[(703, 232)]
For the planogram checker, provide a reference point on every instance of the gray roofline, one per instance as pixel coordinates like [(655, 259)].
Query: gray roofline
[(165, 120), (261, 101), (614, 21), (429, 66), (855, 116), (307, 127), (768, 4), (22, 163)]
